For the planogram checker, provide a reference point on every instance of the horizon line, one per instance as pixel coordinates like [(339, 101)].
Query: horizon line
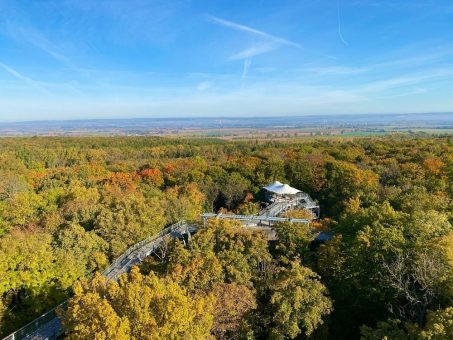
[(223, 117)]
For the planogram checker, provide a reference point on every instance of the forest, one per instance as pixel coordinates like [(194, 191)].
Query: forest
[(70, 205)]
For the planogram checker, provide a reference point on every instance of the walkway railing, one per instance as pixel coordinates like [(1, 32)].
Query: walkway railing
[(255, 218), (117, 264), (48, 325), (280, 206)]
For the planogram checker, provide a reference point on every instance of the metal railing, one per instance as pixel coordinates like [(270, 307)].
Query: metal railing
[(117, 263), (270, 213), (280, 206), (255, 218), (32, 327), (49, 325)]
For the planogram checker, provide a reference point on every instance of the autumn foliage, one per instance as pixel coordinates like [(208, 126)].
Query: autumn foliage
[(70, 206)]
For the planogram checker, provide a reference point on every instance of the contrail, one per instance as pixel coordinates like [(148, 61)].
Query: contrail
[(254, 51), (247, 63), (244, 28), (339, 24), (25, 79), (274, 40)]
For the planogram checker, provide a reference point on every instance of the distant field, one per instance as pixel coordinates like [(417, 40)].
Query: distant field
[(240, 127), (434, 131), (298, 133), (364, 133)]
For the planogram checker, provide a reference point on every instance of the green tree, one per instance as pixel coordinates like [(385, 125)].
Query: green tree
[(423, 226), (22, 210), (293, 241), (298, 302), (80, 252), (307, 172), (233, 189), (439, 325), (385, 330), (29, 276), (346, 181)]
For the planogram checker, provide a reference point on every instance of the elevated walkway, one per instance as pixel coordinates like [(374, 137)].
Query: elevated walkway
[(48, 326)]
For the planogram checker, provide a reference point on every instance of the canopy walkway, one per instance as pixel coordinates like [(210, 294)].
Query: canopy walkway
[(48, 326)]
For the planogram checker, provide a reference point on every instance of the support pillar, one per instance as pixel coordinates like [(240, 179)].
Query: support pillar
[(189, 237)]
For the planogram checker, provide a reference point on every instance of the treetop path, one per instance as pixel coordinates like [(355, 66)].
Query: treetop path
[(48, 326)]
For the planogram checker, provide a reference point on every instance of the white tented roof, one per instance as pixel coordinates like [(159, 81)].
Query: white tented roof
[(281, 189)]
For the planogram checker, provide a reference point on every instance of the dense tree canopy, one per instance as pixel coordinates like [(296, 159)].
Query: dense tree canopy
[(69, 206), (138, 307)]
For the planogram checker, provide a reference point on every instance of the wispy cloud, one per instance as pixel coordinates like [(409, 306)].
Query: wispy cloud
[(204, 85), (248, 54), (36, 85), (407, 80), (422, 61), (335, 70), (255, 50), (32, 36), (132, 21), (248, 29), (271, 43), (401, 5), (245, 70), (407, 93), (418, 60)]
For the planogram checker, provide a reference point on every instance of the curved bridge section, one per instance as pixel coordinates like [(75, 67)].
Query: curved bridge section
[(139, 251), (48, 326)]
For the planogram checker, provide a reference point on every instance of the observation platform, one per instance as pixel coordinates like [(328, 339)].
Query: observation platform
[(281, 198)]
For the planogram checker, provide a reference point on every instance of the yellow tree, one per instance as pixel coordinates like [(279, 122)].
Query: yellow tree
[(91, 316), (127, 220), (239, 252), (233, 303), (138, 307), (184, 203), (196, 271)]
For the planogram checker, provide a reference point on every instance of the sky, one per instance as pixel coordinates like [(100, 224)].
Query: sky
[(79, 59)]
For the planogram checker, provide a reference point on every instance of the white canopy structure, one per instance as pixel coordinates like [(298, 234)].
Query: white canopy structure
[(278, 193), (281, 189)]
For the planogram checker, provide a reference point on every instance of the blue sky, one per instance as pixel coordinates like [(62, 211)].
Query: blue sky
[(70, 59)]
